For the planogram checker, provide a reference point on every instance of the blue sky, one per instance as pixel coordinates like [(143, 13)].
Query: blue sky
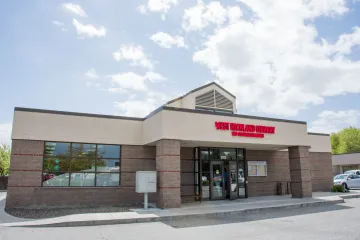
[(285, 59)]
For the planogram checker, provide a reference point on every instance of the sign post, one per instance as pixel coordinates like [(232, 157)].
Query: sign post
[(146, 183)]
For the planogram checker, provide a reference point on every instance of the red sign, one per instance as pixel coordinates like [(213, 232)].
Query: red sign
[(245, 130)]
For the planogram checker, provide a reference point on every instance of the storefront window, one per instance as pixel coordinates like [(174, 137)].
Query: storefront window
[(57, 149), (81, 165), (214, 153), (108, 151), (227, 154), (205, 178), (204, 154), (240, 154), (83, 150)]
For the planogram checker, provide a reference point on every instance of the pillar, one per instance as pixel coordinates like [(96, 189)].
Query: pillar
[(300, 173), (168, 173)]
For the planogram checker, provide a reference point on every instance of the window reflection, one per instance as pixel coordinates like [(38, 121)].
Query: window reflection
[(82, 179), (56, 164), (55, 179), (205, 178), (82, 164), (215, 153), (204, 154), (107, 179), (57, 149), (108, 165), (228, 154), (108, 151), (79, 165), (83, 150)]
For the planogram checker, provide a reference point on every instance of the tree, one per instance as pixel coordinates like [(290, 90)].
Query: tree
[(346, 141), (5, 153), (335, 142)]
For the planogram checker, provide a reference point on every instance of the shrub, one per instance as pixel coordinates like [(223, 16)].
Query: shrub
[(338, 188)]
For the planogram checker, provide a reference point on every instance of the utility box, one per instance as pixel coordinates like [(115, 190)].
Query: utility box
[(146, 181)]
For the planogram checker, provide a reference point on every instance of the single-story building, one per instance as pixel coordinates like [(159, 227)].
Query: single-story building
[(199, 146), (344, 162)]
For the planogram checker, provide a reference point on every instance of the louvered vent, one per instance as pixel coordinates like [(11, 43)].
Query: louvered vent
[(213, 99), (206, 99), (222, 102)]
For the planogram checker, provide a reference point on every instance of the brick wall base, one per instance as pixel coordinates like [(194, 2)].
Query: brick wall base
[(25, 191), (277, 171), (321, 171)]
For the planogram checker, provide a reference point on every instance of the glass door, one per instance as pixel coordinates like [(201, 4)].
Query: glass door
[(232, 187), (242, 179), (217, 186)]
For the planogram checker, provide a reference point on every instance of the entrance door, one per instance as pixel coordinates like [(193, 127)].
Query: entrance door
[(217, 187), (232, 186)]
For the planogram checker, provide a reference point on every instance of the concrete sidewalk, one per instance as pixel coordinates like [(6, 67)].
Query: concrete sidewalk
[(193, 210)]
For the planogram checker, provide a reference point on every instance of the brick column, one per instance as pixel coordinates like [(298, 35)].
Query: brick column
[(300, 172), (168, 170), (25, 172)]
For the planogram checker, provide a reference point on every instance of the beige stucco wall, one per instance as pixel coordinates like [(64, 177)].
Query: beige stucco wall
[(59, 127), (153, 128), (166, 124), (346, 159), (319, 143), (201, 127)]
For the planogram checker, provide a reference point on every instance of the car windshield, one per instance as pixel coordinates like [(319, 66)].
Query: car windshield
[(340, 176)]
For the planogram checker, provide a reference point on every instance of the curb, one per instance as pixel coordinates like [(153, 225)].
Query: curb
[(350, 196), (241, 212)]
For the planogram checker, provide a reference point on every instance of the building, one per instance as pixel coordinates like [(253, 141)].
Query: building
[(344, 162), (197, 143)]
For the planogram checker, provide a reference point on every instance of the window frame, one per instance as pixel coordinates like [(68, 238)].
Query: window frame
[(71, 157)]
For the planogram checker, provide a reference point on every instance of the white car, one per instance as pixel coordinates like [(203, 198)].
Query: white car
[(349, 181), (357, 172)]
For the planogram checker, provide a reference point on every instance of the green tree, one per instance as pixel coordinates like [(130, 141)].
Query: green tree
[(335, 143), (5, 153), (346, 141)]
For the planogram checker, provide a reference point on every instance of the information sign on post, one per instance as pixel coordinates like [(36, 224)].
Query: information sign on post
[(146, 183)]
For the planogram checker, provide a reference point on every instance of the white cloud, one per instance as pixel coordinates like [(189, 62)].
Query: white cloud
[(345, 42), (334, 121), (60, 24), (117, 90), (141, 108), (141, 9), (134, 81), (75, 9), (57, 23), (159, 6), (91, 73), (88, 30), (5, 133), (274, 64), (154, 77), (135, 108), (202, 15), (166, 41), (129, 80), (135, 54)]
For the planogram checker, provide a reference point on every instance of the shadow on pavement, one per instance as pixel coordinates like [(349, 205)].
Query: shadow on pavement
[(207, 221)]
